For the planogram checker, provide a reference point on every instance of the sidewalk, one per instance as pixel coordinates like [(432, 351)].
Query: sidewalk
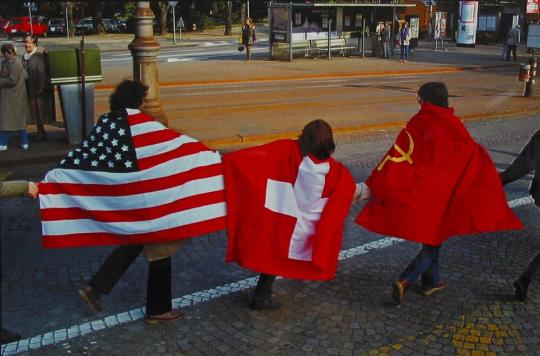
[(424, 60)]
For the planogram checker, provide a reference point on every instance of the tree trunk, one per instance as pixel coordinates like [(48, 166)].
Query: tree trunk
[(228, 19), (163, 7), (243, 13), (70, 19), (98, 18)]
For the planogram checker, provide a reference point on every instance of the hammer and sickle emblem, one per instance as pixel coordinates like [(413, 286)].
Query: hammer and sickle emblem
[(405, 156)]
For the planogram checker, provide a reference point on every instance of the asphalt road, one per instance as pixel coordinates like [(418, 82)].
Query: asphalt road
[(350, 315)]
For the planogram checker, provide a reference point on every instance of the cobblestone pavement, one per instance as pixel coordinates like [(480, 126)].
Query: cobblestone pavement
[(353, 314)]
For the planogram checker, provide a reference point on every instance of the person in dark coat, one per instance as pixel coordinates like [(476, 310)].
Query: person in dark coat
[(527, 161), (36, 84), (14, 110), (248, 36)]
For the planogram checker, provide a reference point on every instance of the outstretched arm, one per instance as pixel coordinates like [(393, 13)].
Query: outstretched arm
[(524, 162)]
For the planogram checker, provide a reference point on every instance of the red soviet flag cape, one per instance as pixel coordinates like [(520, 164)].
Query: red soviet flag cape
[(285, 211), (436, 182)]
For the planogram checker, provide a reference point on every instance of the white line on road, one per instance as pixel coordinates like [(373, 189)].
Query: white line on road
[(62, 335)]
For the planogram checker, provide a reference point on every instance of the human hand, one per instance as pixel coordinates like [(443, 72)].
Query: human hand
[(33, 189)]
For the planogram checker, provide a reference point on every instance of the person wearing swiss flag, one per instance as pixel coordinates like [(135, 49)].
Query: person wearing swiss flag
[(435, 182), (286, 205)]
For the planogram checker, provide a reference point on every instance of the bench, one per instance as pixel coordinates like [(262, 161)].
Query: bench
[(320, 46), (298, 47)]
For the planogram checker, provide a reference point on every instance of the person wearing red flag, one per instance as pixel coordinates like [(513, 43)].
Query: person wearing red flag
[(527, 161), (435, 182), (286, 205)]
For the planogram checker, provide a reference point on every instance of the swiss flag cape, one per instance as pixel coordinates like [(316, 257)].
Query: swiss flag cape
[(266, 187), (436, 182)]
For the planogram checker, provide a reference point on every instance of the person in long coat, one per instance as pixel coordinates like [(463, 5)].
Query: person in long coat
[(14, 109), (248, 36), (36, 84)]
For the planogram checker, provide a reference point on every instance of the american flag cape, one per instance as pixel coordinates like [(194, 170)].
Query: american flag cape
[(132, 180)]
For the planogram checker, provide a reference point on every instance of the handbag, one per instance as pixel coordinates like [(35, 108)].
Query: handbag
[(241, 48)]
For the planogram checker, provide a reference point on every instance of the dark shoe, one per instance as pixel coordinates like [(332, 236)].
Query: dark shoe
[(429, 289), (9, 336), (91, 297), (41, 135), (398, 290), (264, 304), (171, 315), (520, 290)]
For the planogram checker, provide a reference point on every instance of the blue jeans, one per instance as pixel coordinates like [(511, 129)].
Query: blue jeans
[(404, 53), (426, 263), (4, 137)]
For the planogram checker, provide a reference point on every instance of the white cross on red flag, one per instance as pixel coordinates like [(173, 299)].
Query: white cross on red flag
[(285, 212)]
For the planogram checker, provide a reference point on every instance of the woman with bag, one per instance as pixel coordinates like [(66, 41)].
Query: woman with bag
[(248, 37)]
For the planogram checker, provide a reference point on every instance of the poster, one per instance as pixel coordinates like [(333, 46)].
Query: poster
[(413, 25), (440, 26), (533, 6), (533, 38), (467, 24)]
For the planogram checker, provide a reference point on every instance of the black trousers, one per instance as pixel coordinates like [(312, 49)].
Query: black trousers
[(531, 268), (263, 290), (158, 292)]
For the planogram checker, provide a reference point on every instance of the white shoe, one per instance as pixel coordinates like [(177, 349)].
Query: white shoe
[(3, 148), (25, 147)]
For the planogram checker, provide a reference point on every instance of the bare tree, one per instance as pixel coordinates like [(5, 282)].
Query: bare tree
[(228, 19), (160, 11)]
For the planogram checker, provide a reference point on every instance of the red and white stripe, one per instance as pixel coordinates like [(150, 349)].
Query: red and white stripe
[(177, 193)]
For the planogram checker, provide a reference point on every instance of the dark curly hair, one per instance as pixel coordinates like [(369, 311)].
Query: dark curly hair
[(435, 93), (128, 94), (317, 139)]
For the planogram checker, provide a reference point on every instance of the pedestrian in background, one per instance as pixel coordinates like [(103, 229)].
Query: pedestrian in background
[(512, 40), (14, 110), (504, 54), (386, 40), (35, 75), (404, 41), (527, 161), (248, 36), (12, 189)]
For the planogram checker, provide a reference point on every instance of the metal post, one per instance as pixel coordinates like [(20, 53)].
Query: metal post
[(289, 32), (329, 34), (145, 49), (363, 38), (392, 33), (247, 7), (83, 80), (173, 26), (30, 17), (67, 21), (529, 86)]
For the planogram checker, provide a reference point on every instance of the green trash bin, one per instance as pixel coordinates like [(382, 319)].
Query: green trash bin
[(65, 71)]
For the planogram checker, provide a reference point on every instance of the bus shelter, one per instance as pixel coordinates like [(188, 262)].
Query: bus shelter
[(315, 29)]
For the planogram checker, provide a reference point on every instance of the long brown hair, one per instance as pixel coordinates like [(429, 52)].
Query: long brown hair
[(317, 139)]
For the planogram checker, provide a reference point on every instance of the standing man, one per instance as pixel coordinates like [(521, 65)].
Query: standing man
[(527, 161), (35, 75), (434, 183), (386, 40), (404, 40), (512, 40)]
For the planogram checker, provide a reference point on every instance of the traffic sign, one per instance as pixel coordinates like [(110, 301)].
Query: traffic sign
[(173, 3)]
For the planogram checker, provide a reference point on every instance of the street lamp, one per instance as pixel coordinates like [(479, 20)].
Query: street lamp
[(145, 49)]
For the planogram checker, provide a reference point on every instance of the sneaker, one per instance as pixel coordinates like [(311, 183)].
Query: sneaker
[(3, 148), (520, 290), (398, 290), (264, 304), (25, 147), (91, 297), (171, 315), (429, 289)]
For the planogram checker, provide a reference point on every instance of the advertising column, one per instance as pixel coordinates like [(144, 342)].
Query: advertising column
[(468, 21)]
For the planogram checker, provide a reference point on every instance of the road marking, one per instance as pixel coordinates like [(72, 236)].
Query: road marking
[(62, 335)]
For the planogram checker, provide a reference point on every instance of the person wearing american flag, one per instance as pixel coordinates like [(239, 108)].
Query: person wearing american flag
[(135, 183)]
